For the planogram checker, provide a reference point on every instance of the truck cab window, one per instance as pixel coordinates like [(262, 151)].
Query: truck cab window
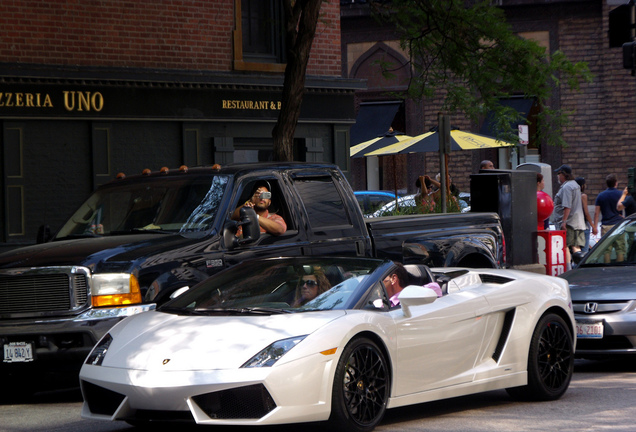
[(322, 201)]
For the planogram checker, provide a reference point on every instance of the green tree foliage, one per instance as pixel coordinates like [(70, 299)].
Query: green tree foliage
[(467, 52)]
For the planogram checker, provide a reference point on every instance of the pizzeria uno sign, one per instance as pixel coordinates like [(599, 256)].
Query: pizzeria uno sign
[(50, 101)]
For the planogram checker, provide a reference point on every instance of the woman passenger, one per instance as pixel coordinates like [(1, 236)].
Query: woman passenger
[(310, 286)]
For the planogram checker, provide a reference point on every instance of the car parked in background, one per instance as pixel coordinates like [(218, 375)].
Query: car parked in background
[(372, 200), (407, 205), (603, 287), (307, 339)]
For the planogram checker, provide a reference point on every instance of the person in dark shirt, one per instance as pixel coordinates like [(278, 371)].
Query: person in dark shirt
[(606, 208), (626, 203)]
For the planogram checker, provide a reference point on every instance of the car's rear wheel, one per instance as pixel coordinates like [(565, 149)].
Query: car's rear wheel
[(361, 388), (550, 361)]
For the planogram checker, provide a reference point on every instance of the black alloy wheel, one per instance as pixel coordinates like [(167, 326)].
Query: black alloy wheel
[(550, 361), (361, 387)]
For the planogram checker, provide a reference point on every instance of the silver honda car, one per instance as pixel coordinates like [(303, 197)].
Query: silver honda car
[(603, 287)]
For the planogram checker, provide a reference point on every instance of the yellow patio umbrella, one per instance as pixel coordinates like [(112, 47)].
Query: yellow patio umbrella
[(429, 142), (382, 141)]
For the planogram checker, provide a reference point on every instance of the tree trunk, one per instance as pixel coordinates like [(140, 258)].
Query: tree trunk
[(301, 22)]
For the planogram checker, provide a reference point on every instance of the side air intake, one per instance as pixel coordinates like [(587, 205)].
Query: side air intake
[(505, 332), (494, 279), (100, 400)]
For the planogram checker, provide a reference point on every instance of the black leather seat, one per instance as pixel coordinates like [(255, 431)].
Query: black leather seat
[(419, 274)]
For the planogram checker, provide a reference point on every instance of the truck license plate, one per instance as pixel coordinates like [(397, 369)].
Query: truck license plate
[(18, 352), (589, 330)]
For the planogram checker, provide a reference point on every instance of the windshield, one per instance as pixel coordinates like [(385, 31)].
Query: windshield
[(616, 247), (171, 204), (281, 285)]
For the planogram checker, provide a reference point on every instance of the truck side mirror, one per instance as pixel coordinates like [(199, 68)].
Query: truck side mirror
[(251, 229), (249, 222), (44, 234)]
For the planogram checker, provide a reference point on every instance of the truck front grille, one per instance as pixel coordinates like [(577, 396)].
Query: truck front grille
[(32, 292)]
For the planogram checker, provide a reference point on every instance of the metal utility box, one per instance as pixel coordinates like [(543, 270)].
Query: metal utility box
[(513, 195), (542, 168)]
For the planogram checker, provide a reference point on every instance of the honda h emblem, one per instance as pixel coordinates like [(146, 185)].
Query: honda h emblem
[(590, 308)]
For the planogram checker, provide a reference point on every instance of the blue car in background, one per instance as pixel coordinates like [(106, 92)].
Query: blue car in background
[(372, 200)]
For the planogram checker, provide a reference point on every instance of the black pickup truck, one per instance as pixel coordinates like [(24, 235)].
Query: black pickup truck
[(140, 240)]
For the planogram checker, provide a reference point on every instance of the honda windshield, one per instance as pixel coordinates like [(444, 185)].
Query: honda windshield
[(616, 248)]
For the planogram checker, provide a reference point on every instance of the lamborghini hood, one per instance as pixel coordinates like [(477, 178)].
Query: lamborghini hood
[(167, 342)]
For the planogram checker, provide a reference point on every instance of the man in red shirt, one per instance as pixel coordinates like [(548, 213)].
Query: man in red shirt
[(260, 201)]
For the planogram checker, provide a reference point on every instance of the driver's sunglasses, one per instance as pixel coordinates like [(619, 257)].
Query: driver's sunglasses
[(310, 283)]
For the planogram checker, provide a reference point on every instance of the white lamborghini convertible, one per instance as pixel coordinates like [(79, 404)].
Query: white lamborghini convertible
[(309, 339)]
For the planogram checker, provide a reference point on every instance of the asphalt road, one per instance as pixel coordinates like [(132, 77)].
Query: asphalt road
[(601, 397)]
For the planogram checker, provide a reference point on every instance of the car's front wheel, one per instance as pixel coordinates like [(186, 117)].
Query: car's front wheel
[(550, 361), (361, 387)]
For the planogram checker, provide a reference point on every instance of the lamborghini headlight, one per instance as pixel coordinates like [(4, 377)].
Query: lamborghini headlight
[(96, 357), (270, 355), (115, 289)]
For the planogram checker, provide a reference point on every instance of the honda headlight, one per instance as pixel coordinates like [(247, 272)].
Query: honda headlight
[(115, 289), (96, 357), (273, 352)]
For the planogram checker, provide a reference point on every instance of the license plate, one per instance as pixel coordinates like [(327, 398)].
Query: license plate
[(15, 352), (589, 330)]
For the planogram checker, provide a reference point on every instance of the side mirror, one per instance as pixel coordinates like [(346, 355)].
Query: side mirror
[(251, 229), (249, 222), (415, 295), (44, 234), (229, 234)]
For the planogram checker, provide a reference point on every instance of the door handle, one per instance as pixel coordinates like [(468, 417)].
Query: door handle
[(360, 248)]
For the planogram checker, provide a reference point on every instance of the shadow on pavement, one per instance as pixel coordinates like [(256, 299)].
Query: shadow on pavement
[(609, 364)]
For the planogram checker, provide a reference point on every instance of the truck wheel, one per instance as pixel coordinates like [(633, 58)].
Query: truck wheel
[(360, 388), (550, 361)]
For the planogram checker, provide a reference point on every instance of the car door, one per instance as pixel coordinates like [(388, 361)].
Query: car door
[(332, 226), (439, 344)]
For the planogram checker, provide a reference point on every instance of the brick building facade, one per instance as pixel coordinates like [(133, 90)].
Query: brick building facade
[(90, 89), (601, 136)]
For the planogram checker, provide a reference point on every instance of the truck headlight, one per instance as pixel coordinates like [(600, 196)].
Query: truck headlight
[(115, 289)]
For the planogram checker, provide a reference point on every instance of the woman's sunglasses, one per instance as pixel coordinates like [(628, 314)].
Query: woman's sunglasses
[(310, 283)]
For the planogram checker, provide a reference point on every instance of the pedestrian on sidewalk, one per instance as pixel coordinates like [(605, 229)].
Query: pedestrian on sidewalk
[(606, 208), (626, 203), (568, 213), (590, 227)]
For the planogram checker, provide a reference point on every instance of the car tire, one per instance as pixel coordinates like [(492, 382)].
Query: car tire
[(550, 361), (360, 389)]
